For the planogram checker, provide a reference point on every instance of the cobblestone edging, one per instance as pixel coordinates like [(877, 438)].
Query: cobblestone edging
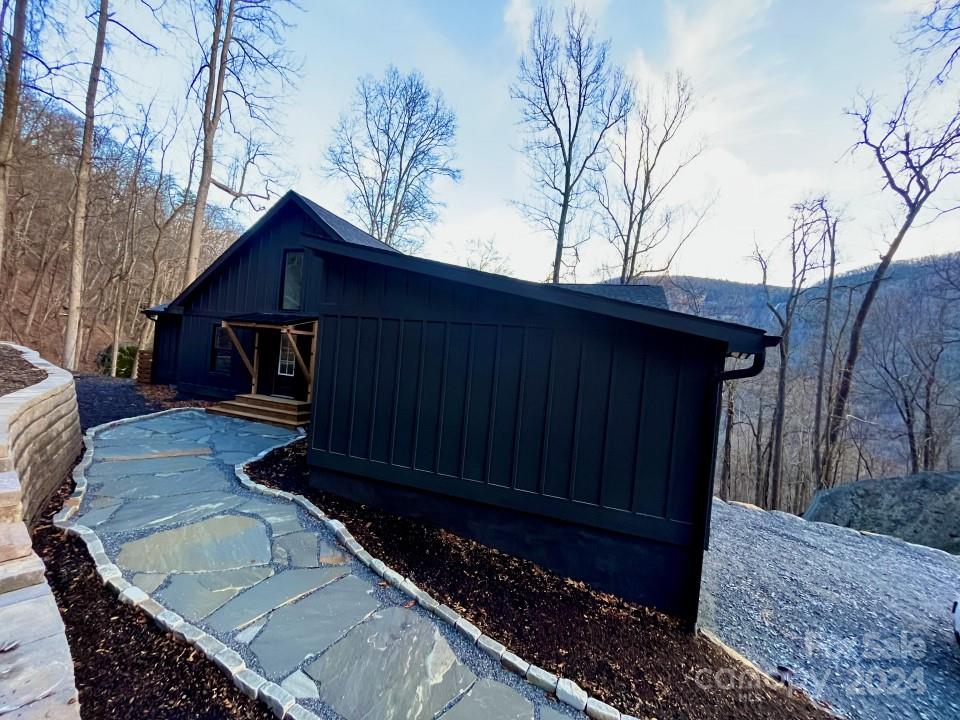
[(566, 690), (39, 441), (282, 703)]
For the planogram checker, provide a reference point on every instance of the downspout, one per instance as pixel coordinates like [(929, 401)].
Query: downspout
[(759, 362)]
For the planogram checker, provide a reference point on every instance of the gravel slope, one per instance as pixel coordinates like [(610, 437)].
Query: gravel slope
[(859, 621)]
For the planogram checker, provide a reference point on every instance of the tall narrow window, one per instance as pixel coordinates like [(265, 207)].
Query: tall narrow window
[(287, 359), (291, 285), (221, 351)]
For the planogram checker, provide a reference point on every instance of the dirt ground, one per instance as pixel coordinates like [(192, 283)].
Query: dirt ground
[(636, 659)]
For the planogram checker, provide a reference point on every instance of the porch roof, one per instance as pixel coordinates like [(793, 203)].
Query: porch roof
[(275, 319)]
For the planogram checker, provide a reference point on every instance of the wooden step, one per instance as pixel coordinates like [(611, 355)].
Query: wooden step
[(253, 414), (291, 414), (269, 401)]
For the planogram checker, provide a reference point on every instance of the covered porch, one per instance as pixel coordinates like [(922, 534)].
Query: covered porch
[(281, 368)]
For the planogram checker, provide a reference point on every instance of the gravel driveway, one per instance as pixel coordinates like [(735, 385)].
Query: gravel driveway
[(861, 622)]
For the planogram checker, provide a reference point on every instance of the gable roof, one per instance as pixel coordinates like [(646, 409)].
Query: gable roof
[(341, 230), (347, 231), (344, 238), (652, 295)]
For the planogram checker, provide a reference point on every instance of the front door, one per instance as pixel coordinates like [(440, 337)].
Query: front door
[(286, 371), (279, 372)]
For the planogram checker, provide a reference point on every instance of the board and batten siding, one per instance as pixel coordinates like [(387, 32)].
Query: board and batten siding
[(519, 404), (248, 282)]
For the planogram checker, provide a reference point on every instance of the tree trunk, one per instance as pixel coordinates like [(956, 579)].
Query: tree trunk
[(212, 109), (776, 427), (821, 367), (117, 319), (561, 233), (929, 443), (760, 486), (839, 409), (8, 119), (910, 422), (727, 445), (75, 300)]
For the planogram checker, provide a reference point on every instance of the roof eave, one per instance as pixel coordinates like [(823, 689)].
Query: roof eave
[(737, 338)]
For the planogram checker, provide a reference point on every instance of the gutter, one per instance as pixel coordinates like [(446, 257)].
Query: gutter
[(759, 362)]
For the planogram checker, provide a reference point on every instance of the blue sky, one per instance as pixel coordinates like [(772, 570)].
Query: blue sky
[(772, 78)]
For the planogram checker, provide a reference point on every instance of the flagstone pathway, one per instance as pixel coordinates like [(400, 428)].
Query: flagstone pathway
[(272, 583)]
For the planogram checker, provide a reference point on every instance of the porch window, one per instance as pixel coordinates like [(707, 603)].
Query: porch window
[(291, 284), (221, 351), (287, 359)]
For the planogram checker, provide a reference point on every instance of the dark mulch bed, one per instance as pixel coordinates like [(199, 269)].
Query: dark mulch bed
[(167, 396), (15, 372), (126, 667), (633, 658)]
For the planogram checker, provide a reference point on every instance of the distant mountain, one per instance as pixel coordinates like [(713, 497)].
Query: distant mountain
[(746, 303)]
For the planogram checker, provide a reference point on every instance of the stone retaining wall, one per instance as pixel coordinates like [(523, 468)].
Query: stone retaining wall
[(39, 442), (39, 435)]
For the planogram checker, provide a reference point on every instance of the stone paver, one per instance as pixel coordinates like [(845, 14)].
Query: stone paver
[(261, 585), (395, 666), (488, 699), (282, 644), (197, 595), (219, 543), (270, 594)]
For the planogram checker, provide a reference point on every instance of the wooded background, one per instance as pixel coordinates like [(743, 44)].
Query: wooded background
[(105, 209)]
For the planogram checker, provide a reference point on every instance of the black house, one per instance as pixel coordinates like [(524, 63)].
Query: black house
[(571, 425)]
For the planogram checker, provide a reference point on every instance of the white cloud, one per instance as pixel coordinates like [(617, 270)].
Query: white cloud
[(518, 17)]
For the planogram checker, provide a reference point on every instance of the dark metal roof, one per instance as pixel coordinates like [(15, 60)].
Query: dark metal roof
[(347, 231), (650, 295), (345, 239)]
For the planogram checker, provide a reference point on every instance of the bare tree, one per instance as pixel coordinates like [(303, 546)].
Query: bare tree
[(631, 191), (915, 163), (243, 59), (726, 462), (391, 146), (936, 35), (482, 254), (829, 222), (571, 96), (804, 249), (12, 69), (75, 297)]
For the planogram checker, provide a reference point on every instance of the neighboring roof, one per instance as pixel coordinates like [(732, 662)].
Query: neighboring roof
[(345, 239), (155, 310), (651, 295)]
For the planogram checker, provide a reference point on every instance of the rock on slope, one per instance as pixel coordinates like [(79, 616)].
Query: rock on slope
[(922, 509)]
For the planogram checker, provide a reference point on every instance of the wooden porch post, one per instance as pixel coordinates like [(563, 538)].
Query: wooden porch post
[(236, 343), (256, 362), (313, 360)]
